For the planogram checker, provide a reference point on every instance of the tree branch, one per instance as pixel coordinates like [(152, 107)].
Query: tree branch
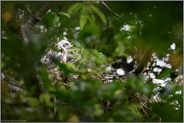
[(16, 88), (27, 28)]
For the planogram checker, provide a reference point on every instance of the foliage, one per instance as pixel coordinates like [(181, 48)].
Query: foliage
[(101, 32)]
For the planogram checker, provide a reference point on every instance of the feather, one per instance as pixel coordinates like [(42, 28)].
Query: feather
[(60, 55)]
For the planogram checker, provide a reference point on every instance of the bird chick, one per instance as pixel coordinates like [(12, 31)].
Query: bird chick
[(60, 54)]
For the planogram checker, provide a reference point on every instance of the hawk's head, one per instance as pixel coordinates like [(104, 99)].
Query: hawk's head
[(64, 44)]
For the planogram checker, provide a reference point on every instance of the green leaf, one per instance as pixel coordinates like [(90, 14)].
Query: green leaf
[(74, 8), (33, 102), (91, 19), (65, 14), (83, 20), (120, 49), (77, 44), (66, 68), (45, 98), (99, 13), (64, 17), (165, 73), (50, 19)]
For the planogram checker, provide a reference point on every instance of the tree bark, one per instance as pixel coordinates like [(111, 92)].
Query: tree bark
[(27, 29)]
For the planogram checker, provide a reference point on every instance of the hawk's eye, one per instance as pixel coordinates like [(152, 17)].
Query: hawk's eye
[(65, 45)]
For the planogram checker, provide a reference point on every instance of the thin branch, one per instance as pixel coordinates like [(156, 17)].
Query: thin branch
[(79, 55), (110, 9)]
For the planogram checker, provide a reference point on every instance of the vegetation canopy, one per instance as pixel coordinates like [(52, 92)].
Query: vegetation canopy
[(92, 61)]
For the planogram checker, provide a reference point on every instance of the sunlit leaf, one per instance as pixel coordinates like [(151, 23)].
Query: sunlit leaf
[(33, 102), (65, 14), (83, 20), (46, 99), (99, 13), (74, 8)]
